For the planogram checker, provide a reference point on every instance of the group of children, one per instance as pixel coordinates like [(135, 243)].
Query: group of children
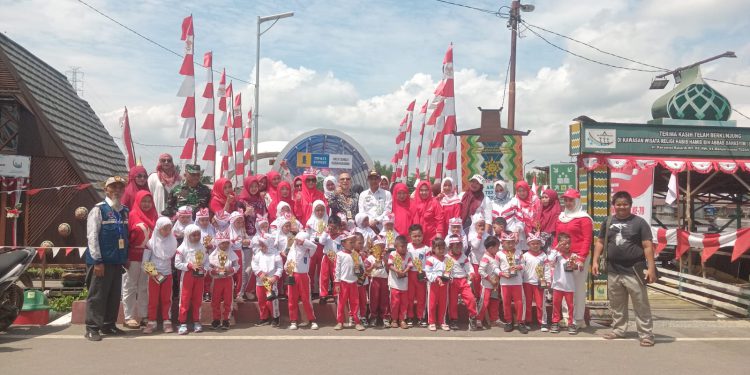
[(385, 279)]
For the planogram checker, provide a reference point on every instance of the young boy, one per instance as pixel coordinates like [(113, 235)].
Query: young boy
[(267, 266), (535, 280), (363, 281), (417, 283), (298, 262), (378, 284), (192, 260), (222, 264), (331, 242), (489, 273), (498, 226), (399, 263), (345, 280), (511, 265), (476, 239), (456, 228), (184, 218), (438, 268), (460, 285), (563, 266), (208, 232)]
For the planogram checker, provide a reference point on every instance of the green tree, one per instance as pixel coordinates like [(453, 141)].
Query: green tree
[(383, 169)]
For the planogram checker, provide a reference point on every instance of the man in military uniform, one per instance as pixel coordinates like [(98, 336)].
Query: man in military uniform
[(190, 192)]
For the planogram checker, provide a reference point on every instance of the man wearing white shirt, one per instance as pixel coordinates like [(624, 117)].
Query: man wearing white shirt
[(375, 202)]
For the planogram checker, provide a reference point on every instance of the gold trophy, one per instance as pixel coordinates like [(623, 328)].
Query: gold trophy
[(319, 230), (377, 252), (290, 266), (539, 269), (207, 241), (198, 265), (223, 257), (398, 263), (389, 240), (331, 255), (418, 266), (511, 263), (358, 268), (289, 242), (572, 263), (150, 268), (449, 263), (270, 294)]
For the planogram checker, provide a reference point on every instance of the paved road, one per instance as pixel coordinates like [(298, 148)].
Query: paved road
[(686, 347)]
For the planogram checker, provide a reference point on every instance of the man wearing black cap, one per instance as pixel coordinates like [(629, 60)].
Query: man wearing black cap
[(190, 192), (375, 202)]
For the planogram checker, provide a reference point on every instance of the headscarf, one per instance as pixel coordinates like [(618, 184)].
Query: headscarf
[(401, 210), (470, 202), (186, 245), (502, 199), (329, 193), (262, 177), (279, 199), (451, 198), (137, 216), (549, 215), (280, 207), (294, 183), (236, 235), (524, 203), (128, 196), (163, 247), (314, 221), (218, 198), (272, 191), (167, 178), (245, 195), (309, 195), (577, 212), (360, 218)]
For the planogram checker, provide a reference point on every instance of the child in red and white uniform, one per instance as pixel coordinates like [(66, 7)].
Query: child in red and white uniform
[(222, 264), (240, 244), (331, 242), (460, 284), (417, 278), (535, 280), (159, 251), (437, 292), (345, 278), (315, 227), (203, 220), (298, 258), (378, 290), (489, 273), (511, 280), (283, 211), (266, 265), (399, 263), (193, 275), (184, 218), (564, 265), (389, 233), (363, 226), (477, 236), (363, 280)]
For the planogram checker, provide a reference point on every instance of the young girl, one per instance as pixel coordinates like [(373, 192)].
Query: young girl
[(331, 242), (378, 290), (417, 283), (283, 213), (461, 272), (389, 234), (362, 221), (240, 244), (267, 266), (399, 263), (489, 273), (208, 232), (192, 260), (297, 265), (363, 281), (184, 218), (222, 264), (535, 280), (316, 227), (346, 283), (511, 265), (157, 262), (563, 265), (438, 269), (477, 237)]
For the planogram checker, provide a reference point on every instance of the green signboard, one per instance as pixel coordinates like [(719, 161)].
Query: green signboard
[(562, 177), (645, 139)]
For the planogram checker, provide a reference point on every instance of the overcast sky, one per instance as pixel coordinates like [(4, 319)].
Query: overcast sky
[(354, 65)]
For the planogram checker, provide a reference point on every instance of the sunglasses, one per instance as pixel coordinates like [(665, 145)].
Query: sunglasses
[(297, 185), (345, 179), (165, 160), (140, 176)]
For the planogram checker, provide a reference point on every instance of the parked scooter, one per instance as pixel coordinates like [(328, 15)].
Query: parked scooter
[(13, 264)]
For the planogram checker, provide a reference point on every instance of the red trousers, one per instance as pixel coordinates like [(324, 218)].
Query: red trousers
[(191, 296), (486, 304), (348, 295), (327, 267), (378, 297), (460, 287), (300, 291), (476, 282), (533, 293), (557, 298), (315, 266), (222, 291), (362, 299), (418, 292), (438, 303), (399, 304), (160, 298), (268, 309), (512, 294)]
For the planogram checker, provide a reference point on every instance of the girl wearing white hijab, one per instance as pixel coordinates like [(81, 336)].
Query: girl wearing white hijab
[(329, 187), (281, 216), (502, 196), (193, 274), (159, 251), (363, 226), (240, 244)]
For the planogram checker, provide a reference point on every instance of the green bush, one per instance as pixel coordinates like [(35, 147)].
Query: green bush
[(65, 303), (49, 272)]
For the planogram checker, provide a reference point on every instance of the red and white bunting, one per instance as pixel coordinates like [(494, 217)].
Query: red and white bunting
[(239, 155), (187, 90), (127, 139), (418, 161), (709, 243), (224, 150), (449, 113), (674, 165), (209, 152), (228, 136), (247, 137)]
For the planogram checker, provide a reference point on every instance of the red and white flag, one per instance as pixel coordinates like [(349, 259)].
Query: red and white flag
[(449, 112), (209, 153), (187, 90), (711, 242), (247, 137), (127, 139), (225, 148), (228, 136), (239, 155), (404, 160), (418, 161)]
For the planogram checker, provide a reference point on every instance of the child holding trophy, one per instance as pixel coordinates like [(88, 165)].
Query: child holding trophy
[(438, 268), (563, 266), (399, 263), (316, 226), (208, 232), (511, 265), (192, 260), (157, 262), (222, 264), (298, 280), (331, 242), (345, 280), (535, 279), (460, 284), (489, 273), (378, 290), (389, 233), (477, 236), (417, 285), (362, 221), (359, 255), (267, 267), (240, 244)]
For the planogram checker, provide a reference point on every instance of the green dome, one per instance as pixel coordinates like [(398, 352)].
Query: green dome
[(699, 102)]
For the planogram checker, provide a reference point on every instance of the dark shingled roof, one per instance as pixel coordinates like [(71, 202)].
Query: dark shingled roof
[(82, 133)]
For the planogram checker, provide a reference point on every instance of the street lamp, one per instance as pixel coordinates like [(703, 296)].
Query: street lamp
[(524, 167), (275, 18)]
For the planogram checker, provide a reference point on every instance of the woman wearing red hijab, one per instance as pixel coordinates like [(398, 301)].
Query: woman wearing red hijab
[(548, 217), (522, 214), (141, 221), (308, 195), (284, 195), (426, 211), (401, 209), (222, 197), (137, 181), (274, 179), (252, 203)]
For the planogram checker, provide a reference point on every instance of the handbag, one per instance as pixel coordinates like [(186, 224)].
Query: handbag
[(603, 256)]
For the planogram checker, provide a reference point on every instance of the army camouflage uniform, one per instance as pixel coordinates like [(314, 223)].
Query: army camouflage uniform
[(183, 195)]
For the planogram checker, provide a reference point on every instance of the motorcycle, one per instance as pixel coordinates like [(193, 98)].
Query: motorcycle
[(13, 265)]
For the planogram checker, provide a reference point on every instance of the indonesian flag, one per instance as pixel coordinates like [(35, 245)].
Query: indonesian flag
[(239, 157), (418, 162), (711, 242), (449, 112), (187, 90), (127, 139), (534, 187), (672, 190), (246, 136), (407, 140), (221, 93), (400, 138), (209, 153), (228, 136)]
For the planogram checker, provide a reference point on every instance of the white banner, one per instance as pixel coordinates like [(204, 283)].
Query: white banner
[(15, 166), (640, 184), (339, 161)]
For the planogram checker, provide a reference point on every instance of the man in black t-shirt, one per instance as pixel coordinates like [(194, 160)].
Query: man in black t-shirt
[(630, 266)]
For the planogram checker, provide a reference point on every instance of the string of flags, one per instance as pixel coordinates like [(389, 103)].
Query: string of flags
[(42, 250), (32, 191)]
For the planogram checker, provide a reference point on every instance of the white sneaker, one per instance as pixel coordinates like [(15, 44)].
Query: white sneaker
[(314, 326), (293, 326), (303, 324), (197, 327)]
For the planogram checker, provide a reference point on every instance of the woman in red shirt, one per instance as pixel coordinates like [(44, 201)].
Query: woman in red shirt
[(450, 202), (401, 209), (310, 193), (141, 221), (222, 197), (426, 211)]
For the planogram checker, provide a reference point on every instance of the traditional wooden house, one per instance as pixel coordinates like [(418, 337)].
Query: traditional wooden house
[(43, 118)]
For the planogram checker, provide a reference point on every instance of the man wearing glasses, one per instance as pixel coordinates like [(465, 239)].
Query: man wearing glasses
[(345, 200), (190, 192), (161, 182), (375, 202)]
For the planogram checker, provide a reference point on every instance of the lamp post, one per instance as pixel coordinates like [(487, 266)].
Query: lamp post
[(275, 18), (524, 167), (514, 18)]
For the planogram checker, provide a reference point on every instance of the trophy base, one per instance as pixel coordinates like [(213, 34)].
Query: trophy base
[(271, 296), (513, 274), (445, 278), (421, 276), (198, 273), (160, 278), (221, 274)]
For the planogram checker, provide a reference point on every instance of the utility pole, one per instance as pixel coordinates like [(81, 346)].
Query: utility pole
[(513, 20)]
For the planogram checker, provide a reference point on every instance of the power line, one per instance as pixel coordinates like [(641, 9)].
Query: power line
[(728, 83), (494, 12), (741, 114), (148, 145), (153, 41)]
